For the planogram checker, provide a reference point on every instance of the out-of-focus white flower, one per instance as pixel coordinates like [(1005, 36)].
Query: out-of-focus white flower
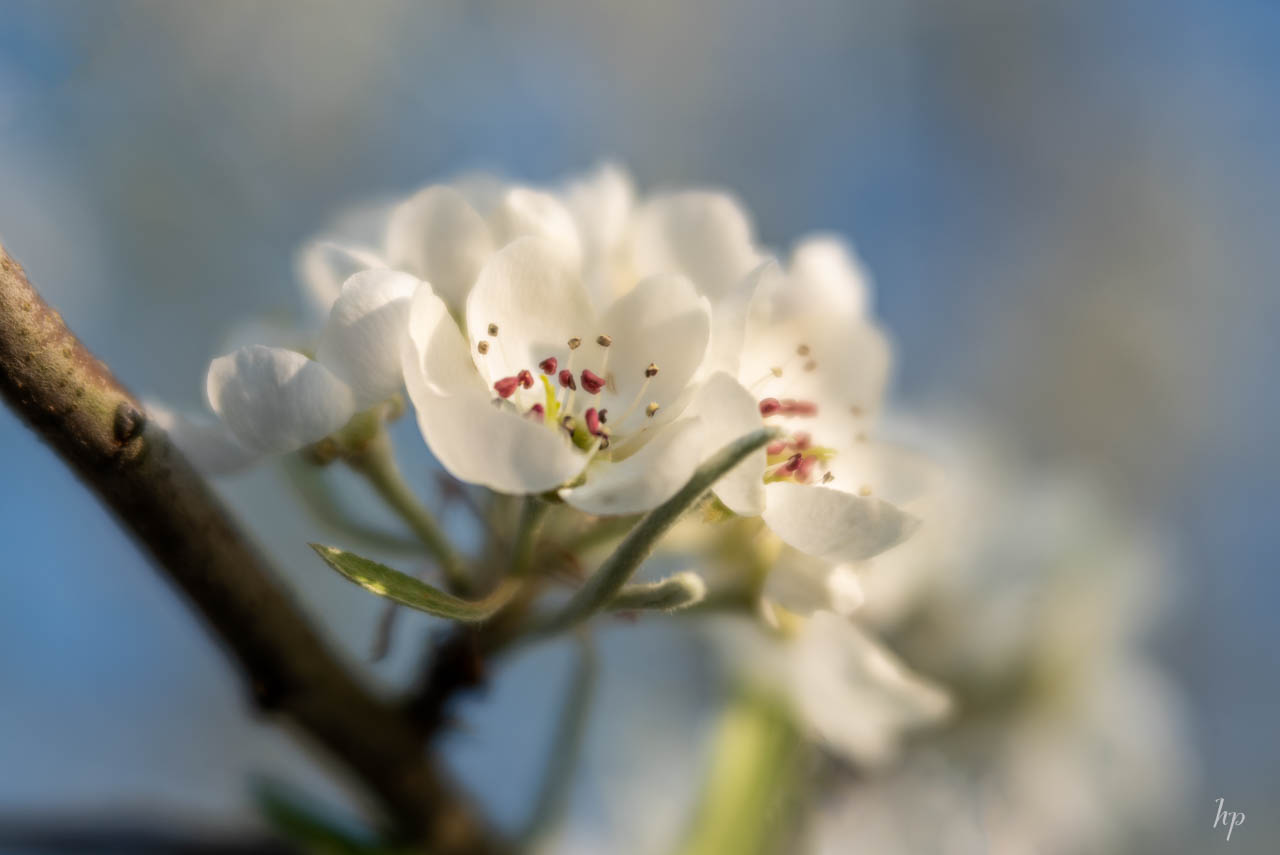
[(847, 692), (1068, 738), (541, 389), (274, 400)]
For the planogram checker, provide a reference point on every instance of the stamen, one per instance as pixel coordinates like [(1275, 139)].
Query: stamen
[(652, 370), (793, 462), (805, 469), (603, 340), (802, 350), (525, 378), (769, 406), (592, 418), (548, 365), (810, 365), (827, 477), (493, 329), (537, 412), (592, 381), (566, 379), (604, 415), (506, 387), (775, 448), (776, 371), (652, 409), (792, 407), (801, 441), (483, 347), (575, 343)]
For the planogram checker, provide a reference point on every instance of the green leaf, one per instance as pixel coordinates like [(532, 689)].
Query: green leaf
[(675, 592), (411, 592)]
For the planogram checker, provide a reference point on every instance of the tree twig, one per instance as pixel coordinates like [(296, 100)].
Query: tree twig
[(71, 399)]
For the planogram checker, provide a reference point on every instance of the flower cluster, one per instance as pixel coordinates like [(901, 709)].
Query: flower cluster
[(584, 346)]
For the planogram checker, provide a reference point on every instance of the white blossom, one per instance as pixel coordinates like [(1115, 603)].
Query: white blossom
[(274, 400), (539, 388)]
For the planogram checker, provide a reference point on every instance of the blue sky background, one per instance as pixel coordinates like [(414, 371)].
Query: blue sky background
[(1069, 210)]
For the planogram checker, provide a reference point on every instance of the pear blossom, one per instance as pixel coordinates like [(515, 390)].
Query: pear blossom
[(273, 400), (443, 234), (794, 348), (539, 391)]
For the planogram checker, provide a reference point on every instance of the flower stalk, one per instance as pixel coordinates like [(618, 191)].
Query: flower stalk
[(376, 462)]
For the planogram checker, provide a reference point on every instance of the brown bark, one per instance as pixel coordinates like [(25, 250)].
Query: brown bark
[(72, 400)]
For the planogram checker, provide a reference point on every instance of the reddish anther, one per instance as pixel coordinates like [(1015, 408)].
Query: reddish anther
[(525, 378), (801, 441), (592, 419), (769, 406), (775, 447), (566, 379), (793, 462), (548, 365), (792, 407), (805, 470), (506, 387), (592, 381), (536, 413)]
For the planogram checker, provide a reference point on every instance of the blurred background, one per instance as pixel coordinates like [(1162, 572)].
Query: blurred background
[(1069, 209)]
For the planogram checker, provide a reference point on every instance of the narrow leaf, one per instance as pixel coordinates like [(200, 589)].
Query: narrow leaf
[(411, 592), (675, 592)]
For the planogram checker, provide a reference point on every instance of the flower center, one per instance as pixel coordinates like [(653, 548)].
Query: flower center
[(559, 406)]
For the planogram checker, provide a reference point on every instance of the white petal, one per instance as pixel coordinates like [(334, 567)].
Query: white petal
[(662, 321), (536, 301), (803, 584), (437, 236), (524, 212), (601, 202), (729, 320), (437, 355), (361, 341), (207, 443), (324, 265), (833, 524), (728, 411), (703, 235), (482, 444), (644, 480), (847, 363), (826, 272), (277, 400), (854, 694)]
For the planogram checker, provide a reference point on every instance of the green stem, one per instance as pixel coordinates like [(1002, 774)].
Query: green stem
[(376, 462), (606, 582), (532, 513)]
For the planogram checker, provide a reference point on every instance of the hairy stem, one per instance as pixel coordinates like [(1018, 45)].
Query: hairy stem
[(376, 462), (603, 585)]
